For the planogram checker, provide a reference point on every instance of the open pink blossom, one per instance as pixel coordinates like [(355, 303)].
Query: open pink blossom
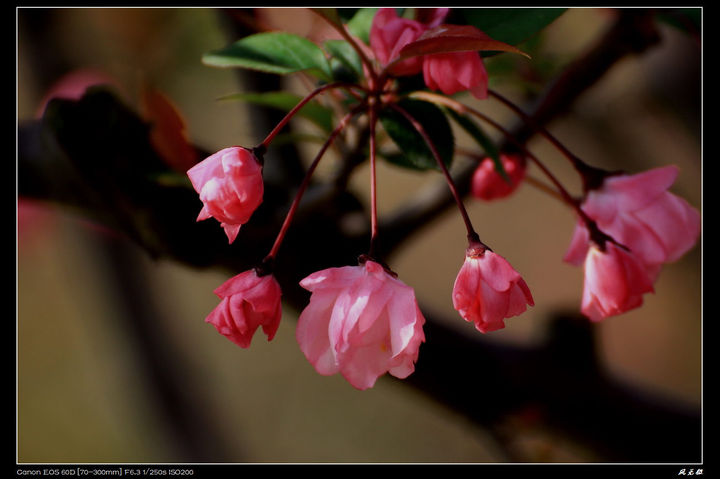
[(488, 289), (615, 281), (388, 34), (361, 322), (455, 72), (638, 212), (230, 186), (488, 184), (248, 302)]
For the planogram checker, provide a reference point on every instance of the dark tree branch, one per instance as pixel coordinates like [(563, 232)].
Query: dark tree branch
[(562, 386)]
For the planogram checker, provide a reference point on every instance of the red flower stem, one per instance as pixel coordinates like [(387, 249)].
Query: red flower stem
[(306, 181), (596, 234), (591, 176), (373, 179), (527, 119), (296, 108), (471, 234)]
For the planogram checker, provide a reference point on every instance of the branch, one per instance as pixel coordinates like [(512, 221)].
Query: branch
[(560, 386)]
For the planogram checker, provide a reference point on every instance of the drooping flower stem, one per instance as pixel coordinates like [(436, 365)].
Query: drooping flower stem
[(269, 138), (372, 113), (592, 177), (473, 237), (306, 181), (596, 234)]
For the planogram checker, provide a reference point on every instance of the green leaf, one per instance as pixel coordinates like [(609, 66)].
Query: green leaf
[(511, 25), (481, 138), (272, 52), (345, 54), (359, 25), (314, 112), (414, 151)]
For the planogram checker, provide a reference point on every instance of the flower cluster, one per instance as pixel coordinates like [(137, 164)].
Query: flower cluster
[(449, 72), (362, 321), (649, 226)]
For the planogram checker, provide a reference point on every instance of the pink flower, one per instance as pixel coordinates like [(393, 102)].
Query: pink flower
[(248, 302), (638, 212), (487, 290), (487, 184), (388, 34), (449, 72), (615, 281), (361, 322), (455, 72), (230, 185)]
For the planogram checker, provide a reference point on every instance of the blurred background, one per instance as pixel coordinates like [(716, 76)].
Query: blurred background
[(84, 393)]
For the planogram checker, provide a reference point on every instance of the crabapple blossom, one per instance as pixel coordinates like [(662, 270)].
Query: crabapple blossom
[(388, 34), (248, 302), (454, 72), (615, 281), (449, 72), (230, 185), (488, 289), (638, 212), (361, 322), (487, 184)]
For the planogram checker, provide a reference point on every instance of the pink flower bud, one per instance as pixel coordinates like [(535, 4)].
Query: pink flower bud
[(638, 212), (388, 34), (361, 322), (487, 290), (230, 186), (615, 281), (455, 72), (248, 302), (488, 184)]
